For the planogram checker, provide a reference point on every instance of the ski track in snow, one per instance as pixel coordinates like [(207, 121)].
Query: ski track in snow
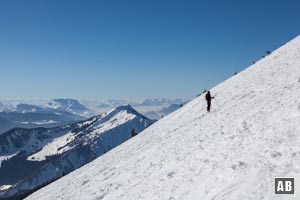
[(251, 136)]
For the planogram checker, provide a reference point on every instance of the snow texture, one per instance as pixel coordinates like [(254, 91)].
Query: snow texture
[(251, 136)]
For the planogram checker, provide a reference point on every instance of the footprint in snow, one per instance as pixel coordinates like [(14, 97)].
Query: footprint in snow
[(84, 182), (275, 154), (171, 174)]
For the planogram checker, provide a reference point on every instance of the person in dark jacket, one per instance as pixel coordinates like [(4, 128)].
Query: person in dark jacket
[(133, 133), (208, 99)]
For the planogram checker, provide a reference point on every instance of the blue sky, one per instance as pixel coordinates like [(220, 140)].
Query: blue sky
[(133, 49)]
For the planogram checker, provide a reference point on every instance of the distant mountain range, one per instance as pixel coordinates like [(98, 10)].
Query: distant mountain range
[(9, 120), (111, 103), (59, 112), (158, 102), (85, 108), (162, 112), (30, 158), (70, 105), (151, 108), (55, 113), (55, 106)]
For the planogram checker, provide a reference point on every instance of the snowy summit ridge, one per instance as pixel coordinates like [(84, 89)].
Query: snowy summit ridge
[(251, 136), (30, 158)]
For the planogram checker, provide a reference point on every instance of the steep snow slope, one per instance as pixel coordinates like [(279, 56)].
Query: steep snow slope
[(30, 158), (232, 153)]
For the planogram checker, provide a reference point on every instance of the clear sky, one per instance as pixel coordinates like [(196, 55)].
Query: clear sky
[(132, 49)]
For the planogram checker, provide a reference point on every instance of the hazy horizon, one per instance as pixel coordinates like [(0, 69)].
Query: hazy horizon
[(40, 102)]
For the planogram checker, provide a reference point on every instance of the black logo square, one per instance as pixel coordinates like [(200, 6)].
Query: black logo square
[(284, 185)]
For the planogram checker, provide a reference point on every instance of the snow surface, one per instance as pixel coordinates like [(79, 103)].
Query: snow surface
[(5, 187), (6, 157), (54, 147), (233, 153)]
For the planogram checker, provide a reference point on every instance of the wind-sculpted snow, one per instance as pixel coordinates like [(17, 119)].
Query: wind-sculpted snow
[(33, 157), (251, 136)]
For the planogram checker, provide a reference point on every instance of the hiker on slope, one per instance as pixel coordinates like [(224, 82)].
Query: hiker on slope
[(133, 133), (208, 99)]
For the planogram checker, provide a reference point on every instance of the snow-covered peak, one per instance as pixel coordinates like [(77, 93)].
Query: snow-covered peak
[(26, 108), (232, 153), (70, 105), (125, 107), (57, 151), (64, 104), (129, 109)]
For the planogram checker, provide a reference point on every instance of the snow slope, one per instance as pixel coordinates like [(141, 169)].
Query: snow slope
[(31, 158), (232, 153)]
